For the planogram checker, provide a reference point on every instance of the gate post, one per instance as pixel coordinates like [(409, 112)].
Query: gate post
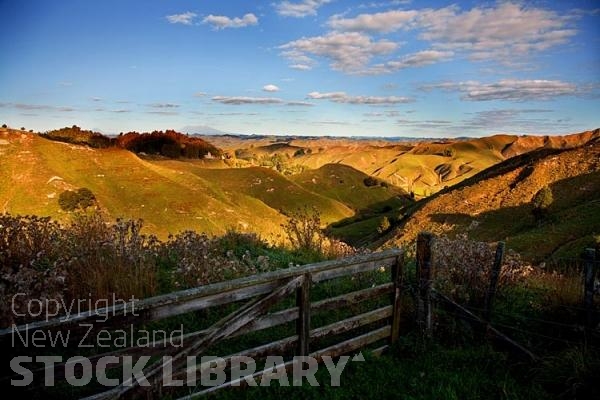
[(397, 279), (424, 317), (303, 321)]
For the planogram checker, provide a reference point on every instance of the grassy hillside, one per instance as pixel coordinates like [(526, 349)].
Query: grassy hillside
[(169, 195), (496, 204), (270, 187), (347, 185), (420, 167), (34, 171)]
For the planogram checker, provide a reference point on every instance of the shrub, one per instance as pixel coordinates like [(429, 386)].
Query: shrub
[(304, 233), (384, 225), (86, 198), (303, 230), (68, 200), (109, 258), (541, 203), (88, 259), (82, 198), (195, 259), (370, 181), (462, 268), (4, 126), (449, 152)]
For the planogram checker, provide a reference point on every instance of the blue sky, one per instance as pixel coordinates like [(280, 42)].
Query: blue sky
[(302, 67)]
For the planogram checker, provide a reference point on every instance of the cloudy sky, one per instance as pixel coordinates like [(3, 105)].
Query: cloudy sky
[(304, 67)]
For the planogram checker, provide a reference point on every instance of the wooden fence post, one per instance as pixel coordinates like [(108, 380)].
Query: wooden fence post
[(397, 279), (495, 274), (424, 241), (303, 321), (589, 257)]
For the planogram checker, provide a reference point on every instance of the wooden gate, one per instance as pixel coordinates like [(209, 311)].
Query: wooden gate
[(262, 292)]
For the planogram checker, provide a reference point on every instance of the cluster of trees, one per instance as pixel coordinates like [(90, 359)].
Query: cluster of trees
[(76, 135), (169, 143), (301, 152), (71, 200), (370, 181)]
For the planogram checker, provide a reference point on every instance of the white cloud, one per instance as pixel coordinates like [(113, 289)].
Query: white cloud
[(37, 107), (299, 9), (299, 103), (221, 21), (162, 112), (506, 32), (342, 97), (186, 18), (271, 88), (163, 105), (239, 100), (382, 22), (418, 59), (509, 89), (243, 100), (349, 52), (199, 94), (301, 67)]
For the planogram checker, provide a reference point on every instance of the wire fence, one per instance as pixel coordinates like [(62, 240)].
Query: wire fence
[(556, 302)]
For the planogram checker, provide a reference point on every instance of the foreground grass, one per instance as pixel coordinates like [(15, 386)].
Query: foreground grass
[(415, 369)]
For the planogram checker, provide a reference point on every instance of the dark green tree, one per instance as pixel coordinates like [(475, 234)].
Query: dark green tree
[(85, 198), (541, 203), (68, 200), (71, 200), (384, 225), (370, 181)]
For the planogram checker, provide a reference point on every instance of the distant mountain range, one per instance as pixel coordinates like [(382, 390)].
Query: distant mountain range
[(201, 130)]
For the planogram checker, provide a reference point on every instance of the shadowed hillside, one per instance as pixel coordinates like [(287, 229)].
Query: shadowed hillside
[(496, 204)]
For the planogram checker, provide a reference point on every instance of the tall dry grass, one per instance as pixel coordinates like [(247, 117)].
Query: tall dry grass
[(94, 260), (87, 259)]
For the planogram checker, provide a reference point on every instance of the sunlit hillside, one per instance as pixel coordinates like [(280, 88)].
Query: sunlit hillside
[(496, 204)]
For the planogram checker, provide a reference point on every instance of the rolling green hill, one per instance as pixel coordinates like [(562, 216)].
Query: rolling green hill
[(270, 187), (34, 171), (169, 195), (347, 185)]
